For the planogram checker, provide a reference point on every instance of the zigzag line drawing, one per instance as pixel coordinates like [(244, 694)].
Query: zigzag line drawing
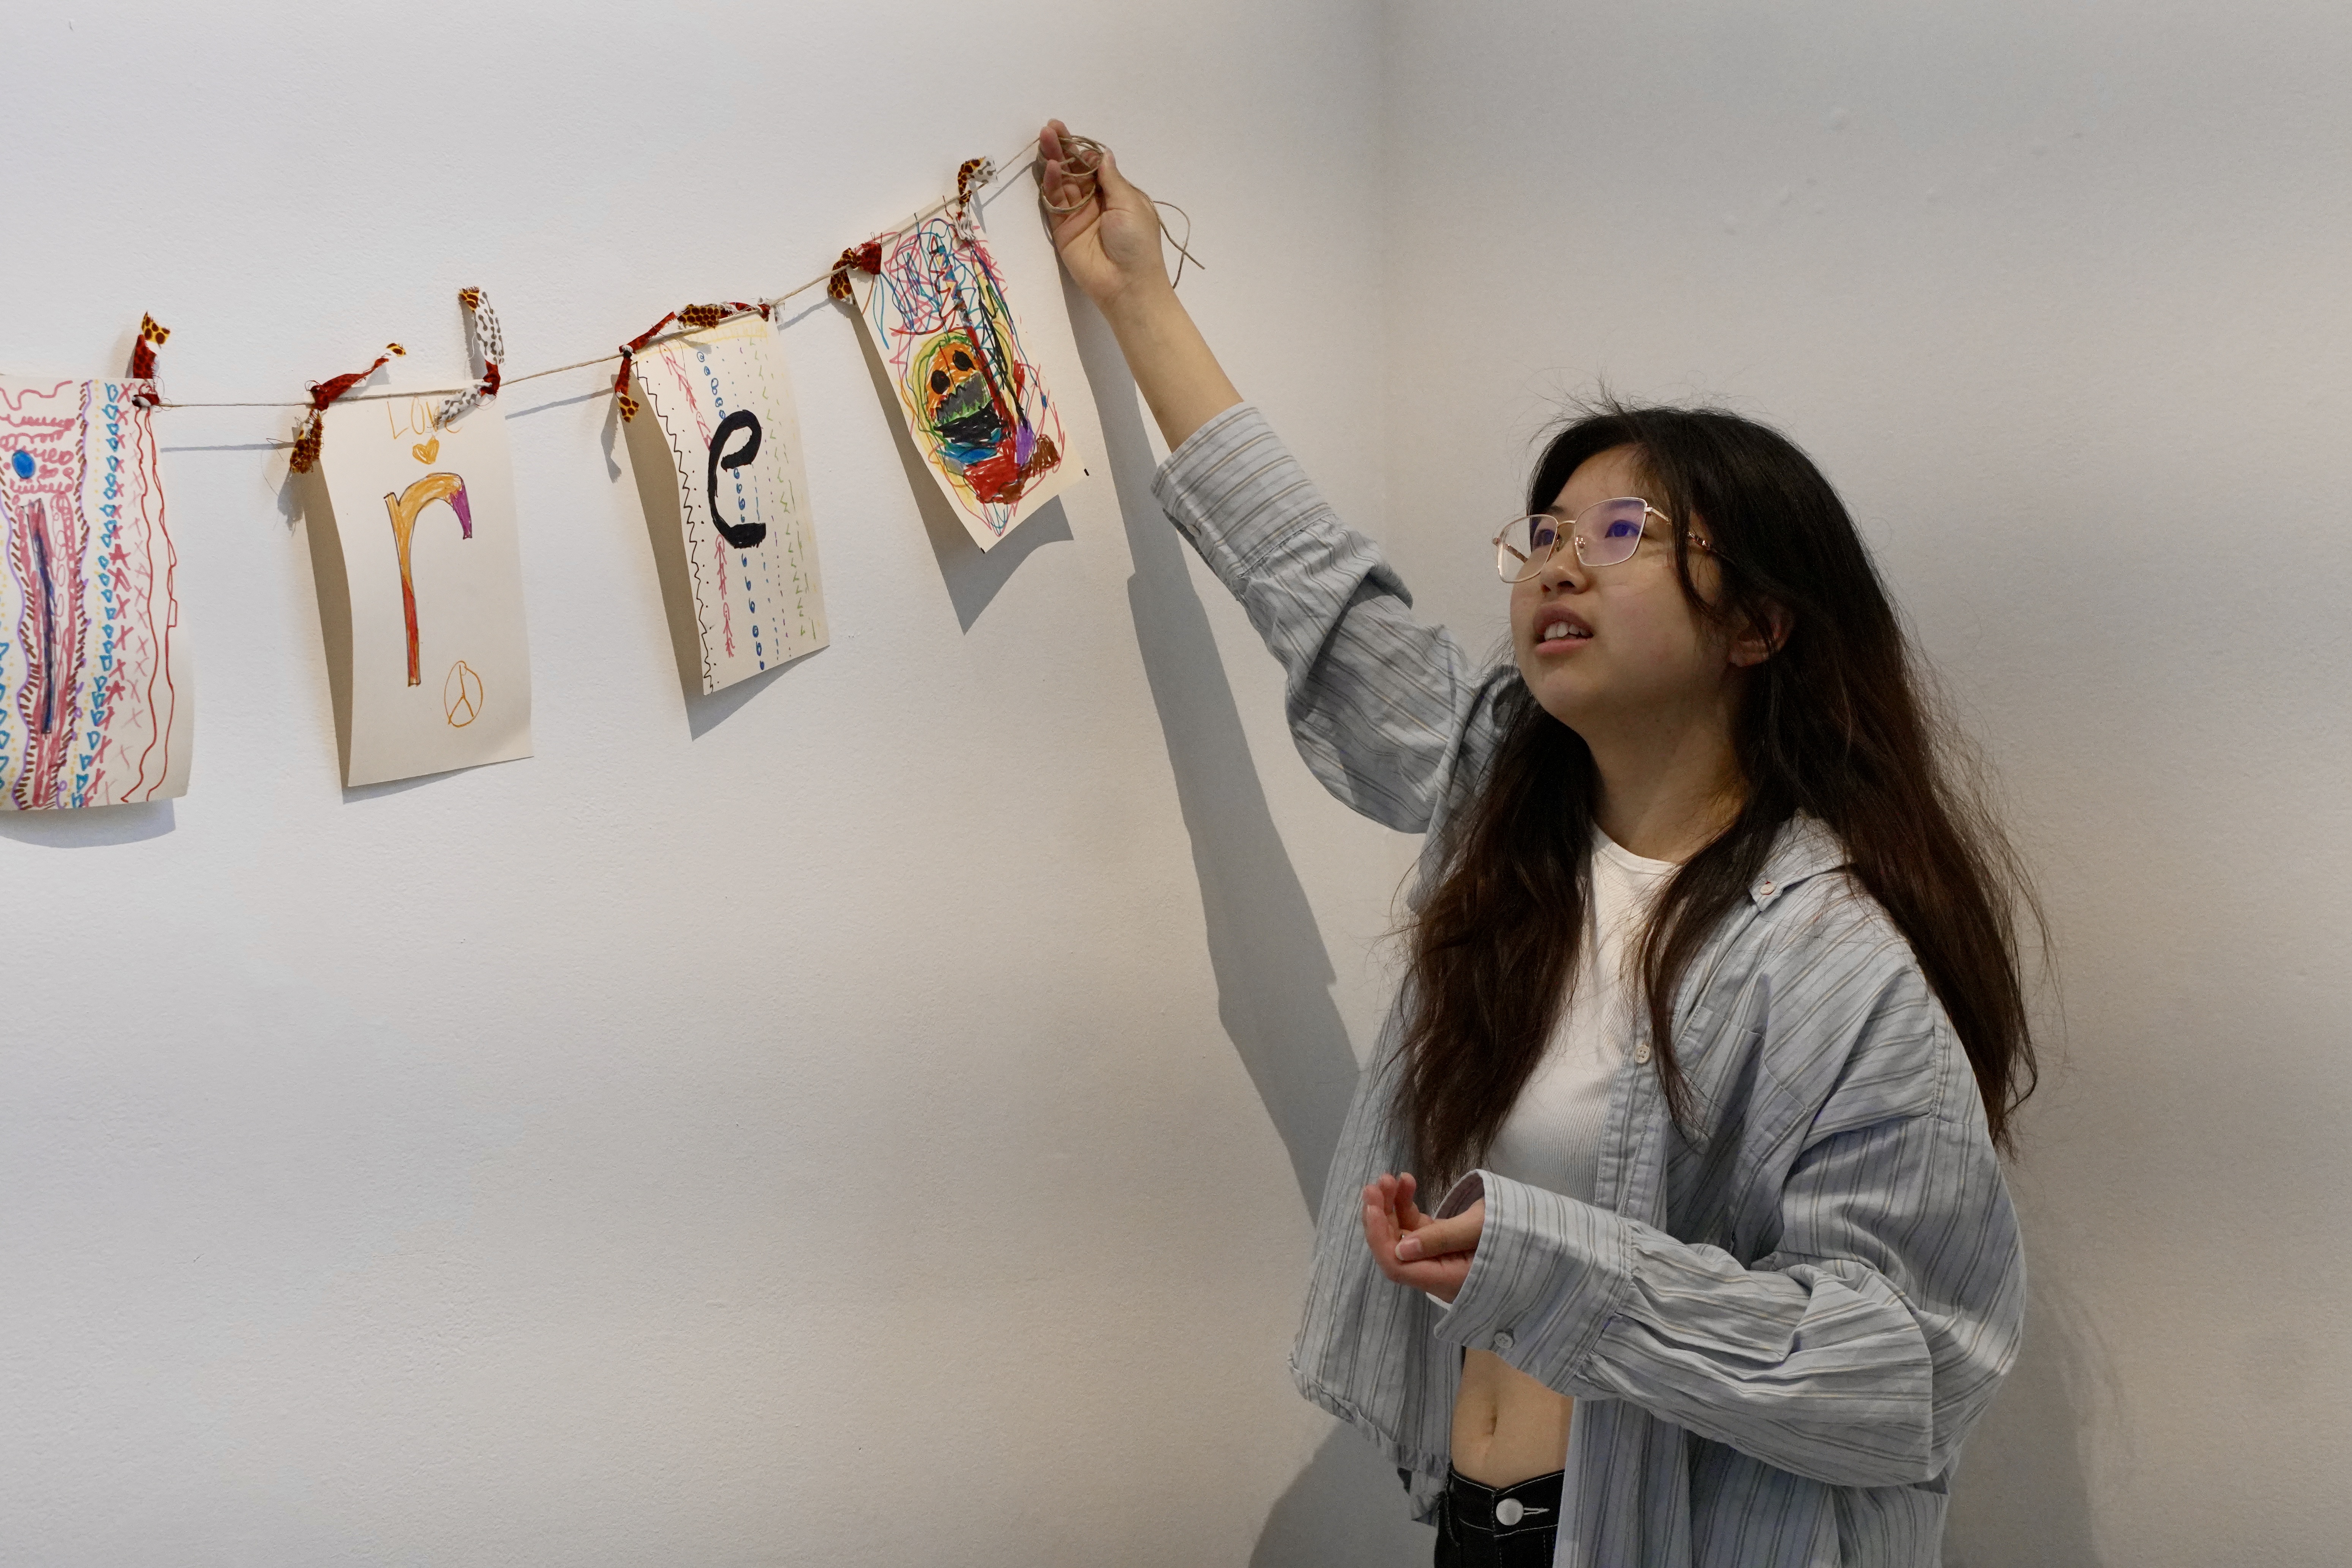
[(686, 482)]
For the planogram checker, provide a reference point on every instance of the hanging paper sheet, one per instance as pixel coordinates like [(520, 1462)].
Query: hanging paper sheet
[(420, 590), (988, 428), (718, 458), (94, 689)]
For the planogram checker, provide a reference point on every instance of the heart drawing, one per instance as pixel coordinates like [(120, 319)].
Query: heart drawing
[(427, 451)]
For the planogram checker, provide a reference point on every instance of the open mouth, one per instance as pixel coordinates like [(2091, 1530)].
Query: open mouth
[(1555, 631)]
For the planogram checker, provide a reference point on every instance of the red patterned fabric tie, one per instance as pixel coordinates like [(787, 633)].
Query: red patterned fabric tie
[(310, 435)]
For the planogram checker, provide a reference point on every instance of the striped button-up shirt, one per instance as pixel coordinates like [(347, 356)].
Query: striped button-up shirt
[(1778, 1331)]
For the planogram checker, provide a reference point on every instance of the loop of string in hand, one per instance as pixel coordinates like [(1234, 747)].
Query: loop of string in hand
[(1092, 151), (975, 175)]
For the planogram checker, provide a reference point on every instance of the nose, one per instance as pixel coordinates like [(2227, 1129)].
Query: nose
[(1564, 572)]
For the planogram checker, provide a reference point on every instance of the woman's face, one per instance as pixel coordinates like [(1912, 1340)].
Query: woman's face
[(1606, 647)]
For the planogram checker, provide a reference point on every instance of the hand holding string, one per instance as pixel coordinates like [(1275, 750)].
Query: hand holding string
[(1106, 230), (1108, 233)]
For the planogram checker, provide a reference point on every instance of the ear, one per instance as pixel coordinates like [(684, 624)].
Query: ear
[(1760, 639)]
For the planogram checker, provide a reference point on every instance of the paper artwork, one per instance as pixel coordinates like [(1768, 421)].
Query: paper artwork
[(420, 580), (719, 466), (94, 694), (988, 428)]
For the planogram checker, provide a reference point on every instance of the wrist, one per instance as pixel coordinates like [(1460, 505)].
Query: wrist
[(1141, 304)]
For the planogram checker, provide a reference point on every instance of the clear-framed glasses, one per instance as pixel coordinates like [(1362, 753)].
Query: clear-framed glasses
[(1604, 533)]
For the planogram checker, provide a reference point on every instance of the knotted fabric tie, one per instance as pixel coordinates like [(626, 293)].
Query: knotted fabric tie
[(866, 257), (151, 334), (692, 317), (489, 347), (970, 175), (309, 434)]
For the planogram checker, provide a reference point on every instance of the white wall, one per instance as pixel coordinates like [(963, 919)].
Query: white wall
[(864, 1119), (2056, 295), (842, 1122)]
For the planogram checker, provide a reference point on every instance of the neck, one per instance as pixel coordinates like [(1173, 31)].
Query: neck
[(1667, 788)]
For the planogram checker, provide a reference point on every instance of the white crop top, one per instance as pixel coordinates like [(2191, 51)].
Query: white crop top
[(1552, 1137)]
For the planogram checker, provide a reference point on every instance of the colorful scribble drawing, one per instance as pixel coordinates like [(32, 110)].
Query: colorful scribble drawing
[(94, 702), (404, 509), (972, 397), (723, 404)]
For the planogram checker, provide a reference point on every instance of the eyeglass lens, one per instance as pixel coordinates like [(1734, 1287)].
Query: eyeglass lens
[(1605, 534), (1524, 545)]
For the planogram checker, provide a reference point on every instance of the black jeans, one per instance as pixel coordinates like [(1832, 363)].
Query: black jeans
[(1497, 1527)]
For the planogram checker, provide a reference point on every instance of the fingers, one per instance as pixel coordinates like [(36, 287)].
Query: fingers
[(1409, 1215), (1382, 1226), (1379, 1227), (1071, 196)]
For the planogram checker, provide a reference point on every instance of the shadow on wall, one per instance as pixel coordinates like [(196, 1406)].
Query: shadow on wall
[(80, 829), (1274, 977), (2021, 1498), (1346, 1509)]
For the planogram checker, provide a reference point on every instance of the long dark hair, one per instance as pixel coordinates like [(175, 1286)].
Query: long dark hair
[(1837, 723)]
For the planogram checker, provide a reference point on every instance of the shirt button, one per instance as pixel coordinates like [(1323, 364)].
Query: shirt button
[(1502, 1345), (1509, 1511), (1764, 889), (1641, 1052)]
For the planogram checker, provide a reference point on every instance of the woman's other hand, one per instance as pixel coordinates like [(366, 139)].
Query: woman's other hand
[(1432, 1255), (1110, 241)]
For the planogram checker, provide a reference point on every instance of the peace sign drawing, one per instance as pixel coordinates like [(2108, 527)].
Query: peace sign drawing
[(461, 694)]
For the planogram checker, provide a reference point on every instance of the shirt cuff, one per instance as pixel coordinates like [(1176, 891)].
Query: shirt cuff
[(1549, 1273)]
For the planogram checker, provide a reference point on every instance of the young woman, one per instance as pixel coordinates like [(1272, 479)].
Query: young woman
[(1713, 1019)]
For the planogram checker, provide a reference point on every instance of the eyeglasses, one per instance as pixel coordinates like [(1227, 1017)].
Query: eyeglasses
[(1605, 534)]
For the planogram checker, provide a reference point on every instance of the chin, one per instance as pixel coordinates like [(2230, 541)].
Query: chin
[(1562, 700)]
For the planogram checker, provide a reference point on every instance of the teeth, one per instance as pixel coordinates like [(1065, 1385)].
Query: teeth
[(1562, 630)]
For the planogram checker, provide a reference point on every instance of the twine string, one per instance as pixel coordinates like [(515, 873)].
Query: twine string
[(975, 176)]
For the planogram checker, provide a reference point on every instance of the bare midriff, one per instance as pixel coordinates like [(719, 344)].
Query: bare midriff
[(1507, 1427)]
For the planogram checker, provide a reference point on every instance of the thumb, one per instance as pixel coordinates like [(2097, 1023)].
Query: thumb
[(1439, 1237), (1116, 187)]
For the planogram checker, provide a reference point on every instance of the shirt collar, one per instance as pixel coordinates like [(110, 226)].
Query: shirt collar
[(1806, 848)]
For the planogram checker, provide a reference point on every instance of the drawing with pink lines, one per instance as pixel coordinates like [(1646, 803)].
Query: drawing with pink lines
[(94, 696)]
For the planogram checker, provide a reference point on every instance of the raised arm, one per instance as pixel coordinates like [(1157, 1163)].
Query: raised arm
[(1385, 710)]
